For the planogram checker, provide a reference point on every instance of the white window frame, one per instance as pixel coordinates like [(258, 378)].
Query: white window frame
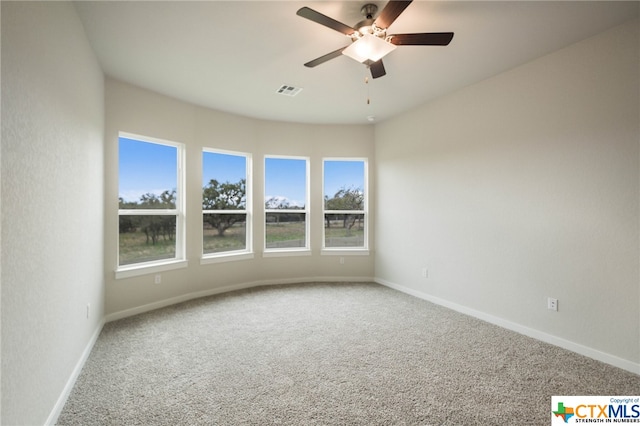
[(232, 255), (342, 251), (289, 251), (179, 261)]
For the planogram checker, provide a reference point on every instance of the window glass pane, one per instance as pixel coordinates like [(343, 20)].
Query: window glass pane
[(285, 183), (344, 185), (148, 175), (145, 238), (224, 178), (344, 203), (224, 191), (285, 230), (344, 230), (224, 232)]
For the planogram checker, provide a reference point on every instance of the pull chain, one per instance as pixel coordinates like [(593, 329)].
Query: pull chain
[(366, 81), (370, 118)]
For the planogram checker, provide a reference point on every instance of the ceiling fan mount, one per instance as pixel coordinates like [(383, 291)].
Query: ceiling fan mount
[(369, 39), (368, 26), (369, 10)]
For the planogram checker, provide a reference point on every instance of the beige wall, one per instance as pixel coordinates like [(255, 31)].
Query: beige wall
[(134, 110), (522, 187), (52, 205)]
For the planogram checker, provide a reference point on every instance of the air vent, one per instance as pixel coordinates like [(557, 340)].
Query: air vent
[(287, 90)]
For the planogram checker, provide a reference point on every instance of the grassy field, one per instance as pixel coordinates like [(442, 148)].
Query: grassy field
[(134, 247), (285, 234), (337, 236), (288, 234), (234, 238)]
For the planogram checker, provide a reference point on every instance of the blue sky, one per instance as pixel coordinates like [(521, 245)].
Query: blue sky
[(285, 178), (223, 167), (339, 174), (152, 168), (146, 168)]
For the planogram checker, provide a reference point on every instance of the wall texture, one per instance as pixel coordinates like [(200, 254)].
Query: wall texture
[(52, 204), (134, 110), (522, 187)]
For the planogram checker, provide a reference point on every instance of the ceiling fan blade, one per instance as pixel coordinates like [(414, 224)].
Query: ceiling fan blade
[(422, 39), (377, 69), (325, 58), (321, 19), (390, 13)]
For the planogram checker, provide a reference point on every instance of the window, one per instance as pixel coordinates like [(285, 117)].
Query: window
[(345, 203), (286, 182), (226, 214), (151, 202)]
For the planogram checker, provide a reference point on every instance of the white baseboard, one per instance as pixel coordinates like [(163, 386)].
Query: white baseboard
[(218, 290), (66, 391), (518, 328)]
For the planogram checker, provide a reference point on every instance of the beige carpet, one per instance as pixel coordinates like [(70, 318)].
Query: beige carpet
[(325, 354)]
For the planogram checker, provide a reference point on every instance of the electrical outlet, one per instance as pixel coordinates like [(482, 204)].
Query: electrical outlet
[(158, 279), (425, 273), (342, 260), (552, 304)]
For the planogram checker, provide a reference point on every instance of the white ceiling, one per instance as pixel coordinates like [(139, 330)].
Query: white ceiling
[(234, 55)]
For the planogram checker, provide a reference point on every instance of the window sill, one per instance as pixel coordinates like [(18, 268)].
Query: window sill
[(226, 257), (344, 252), (284, 253), (137, 270)]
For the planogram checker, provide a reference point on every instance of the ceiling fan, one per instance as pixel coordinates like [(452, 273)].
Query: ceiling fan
[(369, 39)]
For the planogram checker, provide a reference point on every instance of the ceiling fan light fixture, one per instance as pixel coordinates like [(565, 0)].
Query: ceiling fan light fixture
[(368, 48)]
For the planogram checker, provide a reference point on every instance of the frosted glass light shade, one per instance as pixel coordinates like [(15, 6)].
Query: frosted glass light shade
[(368, 48)]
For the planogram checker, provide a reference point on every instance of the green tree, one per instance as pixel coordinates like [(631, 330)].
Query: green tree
[(166, 200), (224, 196), (279, 203), (161, 225), (126, 222), (346, 198), (153, 226)]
